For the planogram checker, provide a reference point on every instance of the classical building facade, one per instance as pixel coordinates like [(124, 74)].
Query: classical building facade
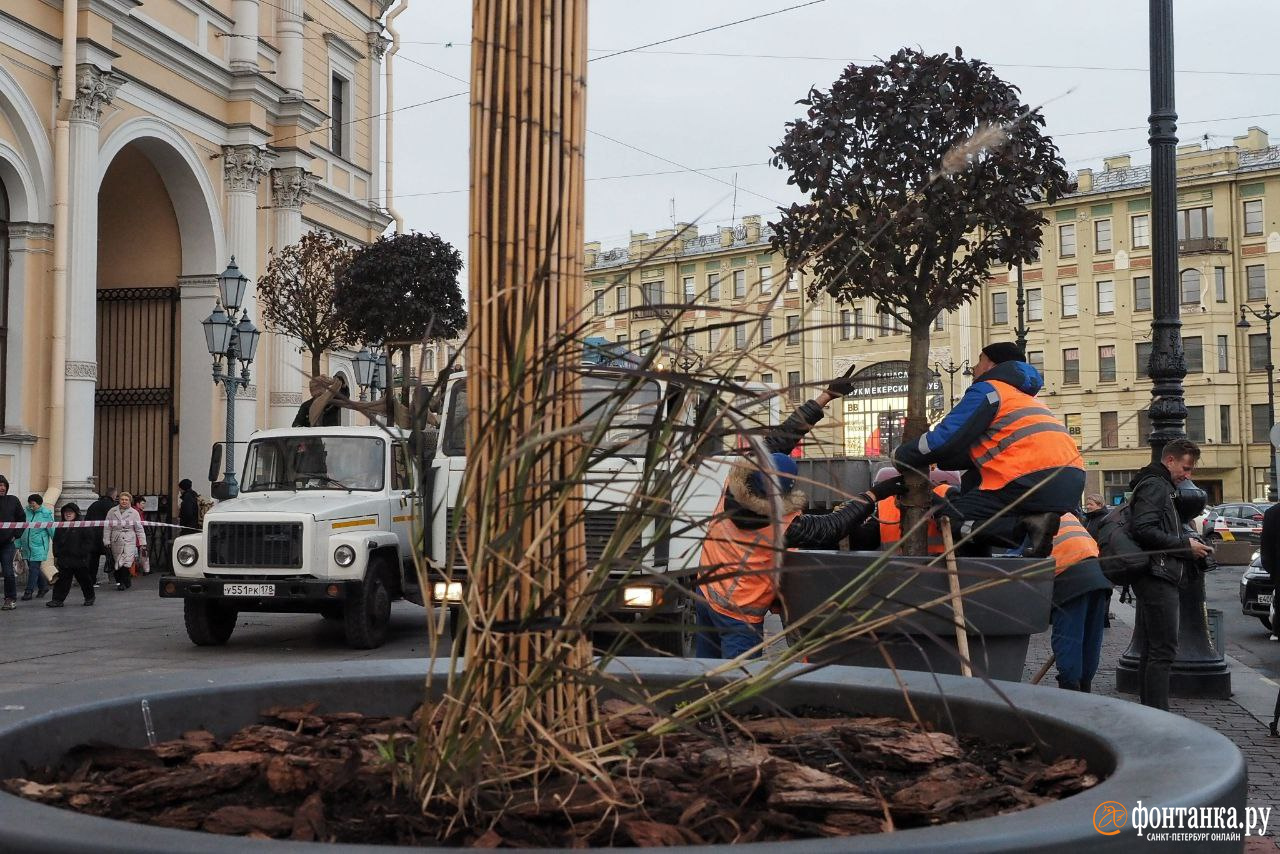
[(162, 139), (1087, 302)]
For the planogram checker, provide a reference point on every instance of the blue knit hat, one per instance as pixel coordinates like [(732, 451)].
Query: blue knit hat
[(786, 470)]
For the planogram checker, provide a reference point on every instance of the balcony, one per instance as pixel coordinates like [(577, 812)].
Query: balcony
[(1201, 245), (651, 311)]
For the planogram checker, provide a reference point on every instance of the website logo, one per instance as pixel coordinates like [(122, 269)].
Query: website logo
[(1110, 818)]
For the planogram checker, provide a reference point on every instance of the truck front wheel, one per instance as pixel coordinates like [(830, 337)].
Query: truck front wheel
[(208, 623), (368, 613)]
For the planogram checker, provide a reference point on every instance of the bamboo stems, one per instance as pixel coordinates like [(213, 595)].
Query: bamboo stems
[(957, 601)]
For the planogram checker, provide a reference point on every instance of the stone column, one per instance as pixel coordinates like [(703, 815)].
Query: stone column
[(290, 188), (378, 45), (244, 35), (196, 405), (243, 167), (289, 37), (95, 89)]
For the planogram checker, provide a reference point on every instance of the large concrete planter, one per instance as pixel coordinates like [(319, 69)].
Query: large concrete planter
[(1146, 755), (1002, 618)]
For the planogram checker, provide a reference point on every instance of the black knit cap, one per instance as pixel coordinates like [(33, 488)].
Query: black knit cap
[(1004, 351)]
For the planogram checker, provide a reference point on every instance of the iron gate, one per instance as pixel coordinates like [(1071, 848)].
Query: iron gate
[(135, 418)]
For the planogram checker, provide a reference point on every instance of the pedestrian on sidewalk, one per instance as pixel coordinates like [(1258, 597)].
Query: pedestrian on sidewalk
[(1081, 594), (34, 545), (10, 511), (144, 554), (72, 549), (97, 512), (188, 507), (1156, 526), (124, 536)]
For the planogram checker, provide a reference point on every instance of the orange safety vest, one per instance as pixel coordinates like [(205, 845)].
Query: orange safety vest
[(1023, 437), (738, 567), (890, 516), (1072, 544)]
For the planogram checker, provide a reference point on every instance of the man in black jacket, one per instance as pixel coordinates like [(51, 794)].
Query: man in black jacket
[(1157, 528), (10, 511), (188, 507), (97, 512), (1270, 548)]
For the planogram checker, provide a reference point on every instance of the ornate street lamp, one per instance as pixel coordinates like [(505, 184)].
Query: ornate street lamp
[(952, 369), (1266, 316), (365, 361), (237, 344)]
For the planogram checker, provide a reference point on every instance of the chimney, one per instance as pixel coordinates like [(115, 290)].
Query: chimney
[(1255, 139), (590, 251), (726, 236), (752, 224), (637, 238), (1084, 181), (1119, 161), (662, 235)]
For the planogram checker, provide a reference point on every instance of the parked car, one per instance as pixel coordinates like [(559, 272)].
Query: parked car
[(1228, 522), (1256, 592)]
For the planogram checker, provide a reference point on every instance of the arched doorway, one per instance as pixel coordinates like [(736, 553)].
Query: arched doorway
[(876, 409), (139, 265)]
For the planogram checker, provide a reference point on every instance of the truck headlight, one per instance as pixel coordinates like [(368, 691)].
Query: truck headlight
[(344, 555), (447, 591), (188, 555), (637, 597)]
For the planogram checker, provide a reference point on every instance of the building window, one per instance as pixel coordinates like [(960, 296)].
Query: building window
[(1102, 235), (1259, 358), (623, 295), (1035, 304), (1067, 240), (599, 303), (1260, 422), (1144, 426), (690, 286), (1261, 483), (766, 378), (886, 327), (1141, 231), (1107, 363), (652, 293), (686, 337), (1195, 223), (1142, 293), (859, 323), (1255, 277), (846, 324), (645, 336), (1142, 353), (739, 284), (1075, 426), (740, 337), (1190, 287), (1071, 366), (793, 386), (1115, 484), (1195, 423), (793, 330), (1035, 359), (793, 281), (713, 287), (1109, 422), (766, 331), (337, 114), (1000, 307), (938, 323), (1070, 305), (1193, 350), (1224, 424), (1220, 284), (766, 280), (1253, 217), (1224, 365), (1106, 297)]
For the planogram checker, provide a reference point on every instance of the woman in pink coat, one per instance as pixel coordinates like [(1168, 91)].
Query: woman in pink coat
[(124, 536)]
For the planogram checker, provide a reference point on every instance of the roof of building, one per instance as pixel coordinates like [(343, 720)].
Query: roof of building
[(702, 244)]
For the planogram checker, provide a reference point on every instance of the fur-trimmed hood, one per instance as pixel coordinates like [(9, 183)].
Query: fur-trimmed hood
[(748, 510)]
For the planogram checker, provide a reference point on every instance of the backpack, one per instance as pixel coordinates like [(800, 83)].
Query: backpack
[(1123, 560)]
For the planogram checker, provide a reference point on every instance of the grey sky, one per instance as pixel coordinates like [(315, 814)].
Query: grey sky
[(702, 110)]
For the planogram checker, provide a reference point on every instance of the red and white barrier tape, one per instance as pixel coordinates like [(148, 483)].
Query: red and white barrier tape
[(97, 523)]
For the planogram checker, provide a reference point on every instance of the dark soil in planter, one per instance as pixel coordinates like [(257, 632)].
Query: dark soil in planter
[(333, 777)]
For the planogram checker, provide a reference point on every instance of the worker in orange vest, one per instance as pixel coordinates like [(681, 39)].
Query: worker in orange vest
[(738, 580), (885, 529), (1023, 469), (1081, 596)]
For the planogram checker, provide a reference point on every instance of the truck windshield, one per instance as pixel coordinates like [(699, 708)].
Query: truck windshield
[(315, 462)]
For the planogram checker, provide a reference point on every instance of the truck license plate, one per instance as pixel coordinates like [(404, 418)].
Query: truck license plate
[(248, 590), (1265, 598)]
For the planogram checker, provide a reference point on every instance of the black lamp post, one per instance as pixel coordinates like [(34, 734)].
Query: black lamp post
[(365, 362), (1199, 670), (952, 369), (1266, 316), (1021, 330), (234, 342)]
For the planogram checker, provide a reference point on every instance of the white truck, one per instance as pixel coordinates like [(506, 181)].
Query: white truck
[(327, 518)]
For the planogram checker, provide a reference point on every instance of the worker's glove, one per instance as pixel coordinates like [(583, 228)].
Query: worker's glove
[(842, 385), (889, 488)]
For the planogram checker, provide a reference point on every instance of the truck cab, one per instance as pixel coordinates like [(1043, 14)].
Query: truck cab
[(324, 523)]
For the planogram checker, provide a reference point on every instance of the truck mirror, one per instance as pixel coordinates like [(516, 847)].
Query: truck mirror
[(215, 461), (219, 491)]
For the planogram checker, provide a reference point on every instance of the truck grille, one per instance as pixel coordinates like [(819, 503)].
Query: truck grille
[(256, 544), (599, 528)]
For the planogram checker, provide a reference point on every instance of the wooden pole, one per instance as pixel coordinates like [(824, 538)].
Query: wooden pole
[(1035, 680), (957, 600)]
